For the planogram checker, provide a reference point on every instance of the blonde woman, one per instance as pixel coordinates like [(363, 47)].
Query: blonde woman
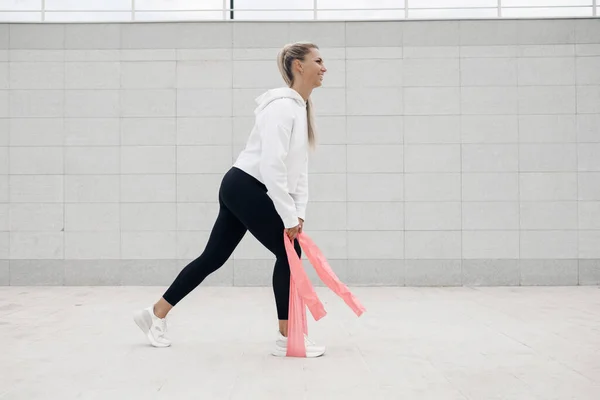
[(265, 192)]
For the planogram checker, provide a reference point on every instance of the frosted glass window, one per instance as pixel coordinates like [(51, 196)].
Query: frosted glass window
[(175, 5), (57, 16), (20, 5), (451, 3), (360, 15), (547, 12), (361, 4), (283, 10), (84, 5), (20, 16), (454, 13), (274, 15), (274, 5), (525, 3), (179, 15)]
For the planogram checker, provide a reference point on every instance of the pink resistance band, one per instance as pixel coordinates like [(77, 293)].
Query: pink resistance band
[(302, 293)]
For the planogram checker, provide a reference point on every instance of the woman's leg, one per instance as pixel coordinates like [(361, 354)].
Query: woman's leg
[(226, 234), (281, 289), (257, 212)]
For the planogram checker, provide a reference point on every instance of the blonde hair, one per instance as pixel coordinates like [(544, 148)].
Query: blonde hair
[(287, 55)]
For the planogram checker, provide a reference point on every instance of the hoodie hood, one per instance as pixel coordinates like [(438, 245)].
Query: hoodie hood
[(279, 93)]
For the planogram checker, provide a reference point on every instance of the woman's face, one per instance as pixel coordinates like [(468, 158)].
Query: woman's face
[(313, 69)]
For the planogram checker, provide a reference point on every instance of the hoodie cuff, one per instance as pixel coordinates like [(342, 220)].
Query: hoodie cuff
[(290, 222)]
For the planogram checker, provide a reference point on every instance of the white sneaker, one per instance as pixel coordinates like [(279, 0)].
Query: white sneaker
[(153, 327), (312, 350)]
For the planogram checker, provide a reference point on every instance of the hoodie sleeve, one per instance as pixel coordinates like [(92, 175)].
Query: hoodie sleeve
[(301, 195), (276, 128)]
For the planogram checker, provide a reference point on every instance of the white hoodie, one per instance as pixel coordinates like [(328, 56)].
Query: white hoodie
[(277, 152)]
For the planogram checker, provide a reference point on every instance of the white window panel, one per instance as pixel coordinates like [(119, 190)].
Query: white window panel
[(179, 5), (179, 15), (274, 4), (451, 3), (360, 15), (274, 15), (58, 16), (454, 13), (20, 5), (547, 12), (84, 5), (547, 3), (359, 4), (20, 16)]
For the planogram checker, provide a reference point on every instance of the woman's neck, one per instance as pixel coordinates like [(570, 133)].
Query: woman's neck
[(303, 90)]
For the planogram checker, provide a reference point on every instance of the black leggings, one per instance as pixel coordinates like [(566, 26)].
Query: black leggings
[(244, 205)]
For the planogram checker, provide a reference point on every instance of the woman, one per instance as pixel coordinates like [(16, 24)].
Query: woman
[(265, 192)]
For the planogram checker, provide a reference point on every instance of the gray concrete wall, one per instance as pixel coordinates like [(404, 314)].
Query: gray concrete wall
[(451, 153)]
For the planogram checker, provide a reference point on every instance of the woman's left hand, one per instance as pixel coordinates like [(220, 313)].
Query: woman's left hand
[(301, 222)]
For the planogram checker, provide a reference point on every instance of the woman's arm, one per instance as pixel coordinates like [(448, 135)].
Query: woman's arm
[(300, 195), (276, 127)]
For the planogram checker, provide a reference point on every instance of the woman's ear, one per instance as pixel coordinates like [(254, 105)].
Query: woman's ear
[(298, 66)]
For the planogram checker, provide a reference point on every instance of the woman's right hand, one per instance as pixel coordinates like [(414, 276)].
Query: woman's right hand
[(293, 232)]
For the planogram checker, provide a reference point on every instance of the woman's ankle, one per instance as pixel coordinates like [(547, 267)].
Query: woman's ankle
[(283, 327), (157, 312), (161, 308)]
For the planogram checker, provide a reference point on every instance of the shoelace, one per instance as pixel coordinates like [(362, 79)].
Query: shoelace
[(307, 341), (162, 325)]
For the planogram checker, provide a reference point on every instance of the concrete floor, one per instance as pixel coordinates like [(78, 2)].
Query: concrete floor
[(536, 343)]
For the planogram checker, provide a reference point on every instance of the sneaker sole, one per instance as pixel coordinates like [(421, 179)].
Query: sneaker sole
[(145, 325), (282, 352)]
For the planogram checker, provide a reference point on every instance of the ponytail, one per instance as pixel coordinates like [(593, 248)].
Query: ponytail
[(286, 56)]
